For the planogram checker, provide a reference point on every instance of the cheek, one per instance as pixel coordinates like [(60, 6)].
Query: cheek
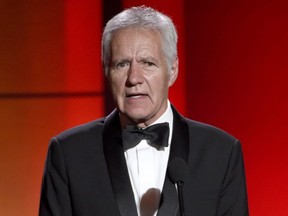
[(160, 85), (117, 85)]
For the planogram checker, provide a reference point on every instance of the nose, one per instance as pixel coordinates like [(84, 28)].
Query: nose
[(135, 75)]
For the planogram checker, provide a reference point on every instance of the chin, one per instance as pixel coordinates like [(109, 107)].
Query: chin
[(137, 117)]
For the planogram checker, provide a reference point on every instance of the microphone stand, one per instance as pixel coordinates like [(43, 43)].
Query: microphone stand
[(180, 197), (177, 172)]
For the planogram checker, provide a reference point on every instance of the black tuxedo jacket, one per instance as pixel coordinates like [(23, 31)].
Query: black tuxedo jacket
[(86, 173)]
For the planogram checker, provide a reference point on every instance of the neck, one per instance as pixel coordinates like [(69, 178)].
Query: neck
[(141, 123)]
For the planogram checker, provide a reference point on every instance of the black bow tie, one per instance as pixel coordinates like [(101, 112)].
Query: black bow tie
[(157, 135)]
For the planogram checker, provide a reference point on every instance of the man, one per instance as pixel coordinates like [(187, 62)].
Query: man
[(105, 168)]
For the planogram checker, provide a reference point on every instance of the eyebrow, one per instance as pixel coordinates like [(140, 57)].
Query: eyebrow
[(150, 59), (116, 61)]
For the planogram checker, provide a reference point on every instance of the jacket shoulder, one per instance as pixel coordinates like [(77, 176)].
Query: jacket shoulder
[(207, 133), (83, 131)]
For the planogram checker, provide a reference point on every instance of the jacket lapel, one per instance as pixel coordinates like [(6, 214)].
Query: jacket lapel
[(118, 171), (117, 167), (179, 148)]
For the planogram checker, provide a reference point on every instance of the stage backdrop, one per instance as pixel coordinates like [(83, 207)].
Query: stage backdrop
[(233, 72)]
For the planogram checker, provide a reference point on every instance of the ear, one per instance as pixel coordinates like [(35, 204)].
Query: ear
[(173, 72)]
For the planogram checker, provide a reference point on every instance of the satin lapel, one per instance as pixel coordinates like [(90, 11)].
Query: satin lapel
[(179, 148), (117, 167)]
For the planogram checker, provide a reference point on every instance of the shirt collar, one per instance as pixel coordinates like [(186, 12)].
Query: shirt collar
[(167, 116)]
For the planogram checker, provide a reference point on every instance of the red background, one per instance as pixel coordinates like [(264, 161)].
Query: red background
[(233, 72)]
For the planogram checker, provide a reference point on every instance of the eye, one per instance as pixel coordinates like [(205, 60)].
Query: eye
[(123, 64), (149, 64)]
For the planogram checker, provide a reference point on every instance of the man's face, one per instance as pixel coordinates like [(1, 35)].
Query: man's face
[(139, 76)]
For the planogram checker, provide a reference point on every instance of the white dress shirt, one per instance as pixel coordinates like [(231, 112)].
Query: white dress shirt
[(147, 169)]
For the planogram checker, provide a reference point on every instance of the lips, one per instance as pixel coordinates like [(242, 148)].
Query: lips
[(135, 95)]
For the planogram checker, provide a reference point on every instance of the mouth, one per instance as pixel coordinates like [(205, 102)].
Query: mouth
[(135, 96)]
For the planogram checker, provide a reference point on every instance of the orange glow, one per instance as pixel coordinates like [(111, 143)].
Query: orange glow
[(50, 80)]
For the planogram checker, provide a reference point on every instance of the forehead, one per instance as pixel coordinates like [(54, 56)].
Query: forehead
[(136, 37)]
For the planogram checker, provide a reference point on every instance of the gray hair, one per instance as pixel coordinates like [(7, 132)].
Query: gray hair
[(141, 17)]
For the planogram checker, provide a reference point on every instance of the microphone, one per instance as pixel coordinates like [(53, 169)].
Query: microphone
[(177, 173)]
